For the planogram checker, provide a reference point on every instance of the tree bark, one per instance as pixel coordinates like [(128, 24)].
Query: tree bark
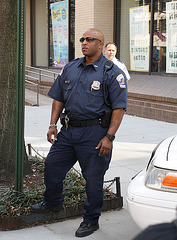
[(8, 60)]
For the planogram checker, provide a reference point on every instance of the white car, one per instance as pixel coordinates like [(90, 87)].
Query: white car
[(152, 193)]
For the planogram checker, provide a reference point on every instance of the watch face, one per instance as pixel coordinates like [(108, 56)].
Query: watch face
[(111, 137)]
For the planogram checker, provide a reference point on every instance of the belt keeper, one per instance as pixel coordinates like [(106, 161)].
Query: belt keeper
[(53, 125)]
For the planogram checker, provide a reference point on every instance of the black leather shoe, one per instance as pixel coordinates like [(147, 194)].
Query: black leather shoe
[(85, 229), (45, 207)]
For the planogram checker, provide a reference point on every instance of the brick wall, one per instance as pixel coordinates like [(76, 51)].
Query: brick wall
[(93, 14), (104, 18), (152, 107), (84, 18)]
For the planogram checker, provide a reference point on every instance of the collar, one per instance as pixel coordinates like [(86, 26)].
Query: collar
[(114, 60), (95, 64)]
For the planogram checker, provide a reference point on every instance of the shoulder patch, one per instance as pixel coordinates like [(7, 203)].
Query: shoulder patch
[(121, 80)]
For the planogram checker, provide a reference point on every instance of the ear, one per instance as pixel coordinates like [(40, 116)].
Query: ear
[(101, 45)]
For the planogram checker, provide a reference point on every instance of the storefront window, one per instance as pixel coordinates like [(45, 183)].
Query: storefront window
[(61, 25), (165, 37), (159, 37), (139, 38), (163, 57), (58, 33), (171, 43), (132, 49), (39, 40)]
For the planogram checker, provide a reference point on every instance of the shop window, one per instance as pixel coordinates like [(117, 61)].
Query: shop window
[(139, 37), (39, 41), (61, 32), (162, 44), (171, 40), (161, 39), (162, 25)]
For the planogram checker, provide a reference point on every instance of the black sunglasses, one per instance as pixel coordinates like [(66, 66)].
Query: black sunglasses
[(88, 39)]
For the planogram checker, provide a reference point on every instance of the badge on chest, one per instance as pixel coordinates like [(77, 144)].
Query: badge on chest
[(95, 85)]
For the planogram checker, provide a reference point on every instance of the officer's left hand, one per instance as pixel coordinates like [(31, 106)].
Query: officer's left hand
[(105, 146)]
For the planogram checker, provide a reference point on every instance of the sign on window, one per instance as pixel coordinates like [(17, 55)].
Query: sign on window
[(59, 15), (171, 23), (139, 38)]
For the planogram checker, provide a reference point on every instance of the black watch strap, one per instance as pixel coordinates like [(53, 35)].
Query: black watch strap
[(111, 137)]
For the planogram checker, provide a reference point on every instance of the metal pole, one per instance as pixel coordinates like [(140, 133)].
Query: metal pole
[(20, 94), (37, 93), (151, 36), (39, 76), (29, 149), (118, 191)]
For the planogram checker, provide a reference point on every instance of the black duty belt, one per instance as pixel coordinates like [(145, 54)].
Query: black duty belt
[(84, 123)]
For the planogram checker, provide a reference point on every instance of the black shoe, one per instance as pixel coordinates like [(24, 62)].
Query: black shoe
[(85, 229), (45, 207)]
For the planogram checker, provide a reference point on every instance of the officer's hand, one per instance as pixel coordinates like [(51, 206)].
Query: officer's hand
[(105, 146), (52, 135)]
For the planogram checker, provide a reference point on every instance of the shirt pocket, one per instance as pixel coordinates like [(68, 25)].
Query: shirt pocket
[(95, 98), (67, 89)]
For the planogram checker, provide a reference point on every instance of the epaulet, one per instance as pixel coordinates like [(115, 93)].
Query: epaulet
[(76, 59), (70, 63)]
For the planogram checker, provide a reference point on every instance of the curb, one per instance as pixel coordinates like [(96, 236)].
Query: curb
[(31, 220)]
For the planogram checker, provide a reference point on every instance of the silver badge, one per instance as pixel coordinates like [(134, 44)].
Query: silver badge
[(95, 85)]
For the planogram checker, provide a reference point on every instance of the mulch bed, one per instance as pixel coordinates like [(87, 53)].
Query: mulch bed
[(14, 218)]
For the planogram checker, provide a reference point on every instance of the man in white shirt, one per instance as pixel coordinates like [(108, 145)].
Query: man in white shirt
[(110, 51)]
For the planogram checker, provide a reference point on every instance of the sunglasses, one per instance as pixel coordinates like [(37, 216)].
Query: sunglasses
[(88, 39)]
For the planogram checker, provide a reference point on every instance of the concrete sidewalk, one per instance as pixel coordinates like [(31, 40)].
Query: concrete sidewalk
[(133, 145)]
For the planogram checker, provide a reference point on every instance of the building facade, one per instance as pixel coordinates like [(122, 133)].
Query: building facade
[(145, 31)]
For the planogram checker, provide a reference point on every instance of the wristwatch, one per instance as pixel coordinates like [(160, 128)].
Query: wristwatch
[(111, 137)]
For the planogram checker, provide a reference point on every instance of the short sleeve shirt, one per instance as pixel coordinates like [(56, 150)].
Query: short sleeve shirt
[(80, 88), (122, 66)]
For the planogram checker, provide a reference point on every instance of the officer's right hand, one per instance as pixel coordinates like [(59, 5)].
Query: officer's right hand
[(52, 135), (105, 146)]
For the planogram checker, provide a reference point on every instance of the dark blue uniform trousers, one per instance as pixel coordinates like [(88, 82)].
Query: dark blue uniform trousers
[(77, 144)]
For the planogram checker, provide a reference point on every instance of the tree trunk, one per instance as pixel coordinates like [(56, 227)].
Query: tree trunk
[(8, 60)]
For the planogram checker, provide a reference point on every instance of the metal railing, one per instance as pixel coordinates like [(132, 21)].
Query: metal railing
[(35, 76), (38, 71), (36, 84)]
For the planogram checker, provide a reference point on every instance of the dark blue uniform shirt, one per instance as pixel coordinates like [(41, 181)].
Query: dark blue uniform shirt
[(80, 88)]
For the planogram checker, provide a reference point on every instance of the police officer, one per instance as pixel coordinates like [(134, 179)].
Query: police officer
[(84, 136)]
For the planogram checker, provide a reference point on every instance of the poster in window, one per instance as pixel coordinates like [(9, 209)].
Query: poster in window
[(171, 23), (139, 38), (59, 16)]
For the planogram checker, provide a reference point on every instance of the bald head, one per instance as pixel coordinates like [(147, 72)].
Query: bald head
[(92, 44), (96, 33)]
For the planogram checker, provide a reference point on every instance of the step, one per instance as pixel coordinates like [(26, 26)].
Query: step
[(141, 105), (152, 107)]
